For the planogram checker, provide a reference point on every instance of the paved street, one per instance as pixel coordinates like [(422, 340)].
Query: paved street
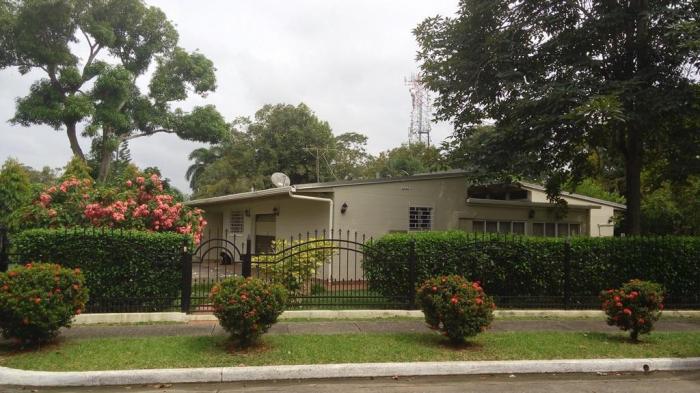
[(686, 382)]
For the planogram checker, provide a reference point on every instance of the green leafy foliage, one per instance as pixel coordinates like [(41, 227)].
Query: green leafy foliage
[(636, 306), (247, 307), (561, 81), (38, 299), (529, 266), (294, 263), (137, 269), (15, 190), (457, 307), (121, 39)]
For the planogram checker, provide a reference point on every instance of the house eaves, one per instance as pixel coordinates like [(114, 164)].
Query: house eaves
[(538, 187), (517, 203), (240, 196)]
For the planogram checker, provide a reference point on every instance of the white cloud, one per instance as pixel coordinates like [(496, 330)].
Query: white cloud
[(346, 60)]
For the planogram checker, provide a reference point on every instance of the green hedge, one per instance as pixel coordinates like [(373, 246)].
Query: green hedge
[(124, 270), (535, 267)]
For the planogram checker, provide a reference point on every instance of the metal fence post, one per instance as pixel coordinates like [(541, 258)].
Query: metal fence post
[(412, 275), (247, 258), (4, 249), (185, 301), (567, 273)]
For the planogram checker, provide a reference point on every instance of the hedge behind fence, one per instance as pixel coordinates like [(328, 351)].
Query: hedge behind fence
[(534, 267), (124, 270)]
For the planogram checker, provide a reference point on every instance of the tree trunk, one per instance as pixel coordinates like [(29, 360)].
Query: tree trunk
[(633, 192), (106, 159), (73, 139)]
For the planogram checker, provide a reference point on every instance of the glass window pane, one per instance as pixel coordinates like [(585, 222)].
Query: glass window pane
[(563, 230), (550, 229), (478, 226), (575, 229), (538, 229), (491, 226), (504, 227), (519, 228)]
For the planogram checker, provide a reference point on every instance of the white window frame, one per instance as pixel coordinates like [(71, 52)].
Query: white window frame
[(238, 223), (556, 228), (431, 211), (499, 224)]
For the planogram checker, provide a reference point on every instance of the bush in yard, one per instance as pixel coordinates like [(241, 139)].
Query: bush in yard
[(294, 263), (36, 300), (247, 307), (457, 307), (126, 270), (634, 307)]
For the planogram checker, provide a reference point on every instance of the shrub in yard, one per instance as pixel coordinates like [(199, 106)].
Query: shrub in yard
[(38, 299), (634, 307), (295, 263), (457, 307), (247, 307)]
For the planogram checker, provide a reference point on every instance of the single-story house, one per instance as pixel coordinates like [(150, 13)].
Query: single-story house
[(374, 207)]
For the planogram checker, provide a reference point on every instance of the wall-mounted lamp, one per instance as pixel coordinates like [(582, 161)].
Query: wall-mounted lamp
[(343, 208), (247, 212), (531, 213), (276, 211)]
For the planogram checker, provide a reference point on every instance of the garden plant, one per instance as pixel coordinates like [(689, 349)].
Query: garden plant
[(247, 307), (38, 299), (634, 307), (457, 307)]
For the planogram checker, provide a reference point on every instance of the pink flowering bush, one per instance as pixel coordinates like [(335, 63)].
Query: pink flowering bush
[(635, 307), (139, 203), (247, 307)]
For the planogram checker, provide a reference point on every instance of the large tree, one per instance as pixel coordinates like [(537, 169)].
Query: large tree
[(120, 40), (563, 80)]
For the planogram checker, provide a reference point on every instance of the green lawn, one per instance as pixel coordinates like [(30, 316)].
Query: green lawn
[(162, 352)]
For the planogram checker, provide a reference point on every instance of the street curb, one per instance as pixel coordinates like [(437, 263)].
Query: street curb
[(10, 376), (88, 319)]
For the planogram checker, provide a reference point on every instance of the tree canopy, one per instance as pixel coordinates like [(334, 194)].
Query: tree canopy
[(122, 39), (567, 81)]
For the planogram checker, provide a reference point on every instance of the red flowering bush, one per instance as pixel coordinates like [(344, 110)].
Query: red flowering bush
[(247, 307), (634, 307), (140, 203), (455, 306), (36, 300)]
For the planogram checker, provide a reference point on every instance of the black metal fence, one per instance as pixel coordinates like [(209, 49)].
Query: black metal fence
[(321, 270)]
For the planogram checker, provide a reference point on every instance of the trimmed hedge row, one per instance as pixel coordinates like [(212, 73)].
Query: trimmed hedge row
[(124, 270), (534, 267)]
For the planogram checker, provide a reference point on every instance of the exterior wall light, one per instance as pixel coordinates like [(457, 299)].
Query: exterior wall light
[(531, 213), (343, 208), (276, 211)]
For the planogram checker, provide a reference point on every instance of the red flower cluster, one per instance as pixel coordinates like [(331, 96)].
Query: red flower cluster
[(634, 307)]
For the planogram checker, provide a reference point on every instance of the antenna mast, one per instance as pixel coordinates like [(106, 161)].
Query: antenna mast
[(419, 130)]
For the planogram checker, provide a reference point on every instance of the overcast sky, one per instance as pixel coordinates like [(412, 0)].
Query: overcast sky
[(345, 59)]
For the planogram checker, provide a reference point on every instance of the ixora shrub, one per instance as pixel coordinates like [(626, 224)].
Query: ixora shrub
[(247, 307), (136, 270), (139, 203), (295, 263), (457, 307), (36, 300), (634, 307)]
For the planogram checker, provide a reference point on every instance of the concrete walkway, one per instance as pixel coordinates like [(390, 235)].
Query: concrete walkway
[(341, 327)]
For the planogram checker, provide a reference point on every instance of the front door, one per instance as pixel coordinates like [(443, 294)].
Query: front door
[(265, 229)]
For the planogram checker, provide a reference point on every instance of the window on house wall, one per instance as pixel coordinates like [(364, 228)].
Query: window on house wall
[(420, 218), (236, 221), (515, 227), (560, 229)]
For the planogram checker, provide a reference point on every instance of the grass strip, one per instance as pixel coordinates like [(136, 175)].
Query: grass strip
[(177, 352)]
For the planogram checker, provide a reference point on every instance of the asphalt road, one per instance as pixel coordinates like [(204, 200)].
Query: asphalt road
[(667, 382)]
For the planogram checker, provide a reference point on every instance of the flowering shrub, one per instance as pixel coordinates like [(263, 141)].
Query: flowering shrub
[(294, 263), (140, 203), (36, 300), (455, 306), (247, 307), (634, 307)]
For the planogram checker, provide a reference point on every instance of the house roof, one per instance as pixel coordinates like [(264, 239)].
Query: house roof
[(344, 183)]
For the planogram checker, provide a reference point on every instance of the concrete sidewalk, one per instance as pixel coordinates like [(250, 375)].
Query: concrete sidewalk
[(340, 327)]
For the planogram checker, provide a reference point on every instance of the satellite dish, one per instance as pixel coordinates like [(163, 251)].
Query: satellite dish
[(279, 179)]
